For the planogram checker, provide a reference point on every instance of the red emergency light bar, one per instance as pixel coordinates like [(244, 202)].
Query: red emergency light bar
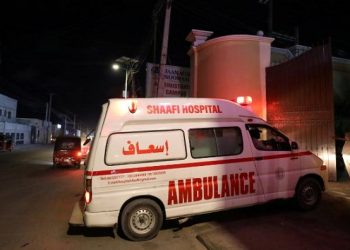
[(244, 100)]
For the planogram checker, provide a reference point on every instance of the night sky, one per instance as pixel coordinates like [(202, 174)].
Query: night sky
[(67, 47)]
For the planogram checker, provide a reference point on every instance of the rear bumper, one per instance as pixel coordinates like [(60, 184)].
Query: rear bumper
[(101, 219), (79, 217), (76, 218), (66, 161)]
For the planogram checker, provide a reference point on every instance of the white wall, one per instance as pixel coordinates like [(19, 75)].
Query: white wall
[(20, 133), (8, 108), (43, 129)]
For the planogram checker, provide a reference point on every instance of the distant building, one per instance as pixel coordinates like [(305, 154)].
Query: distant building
[(39, 130), (21, 130), (8, 109)]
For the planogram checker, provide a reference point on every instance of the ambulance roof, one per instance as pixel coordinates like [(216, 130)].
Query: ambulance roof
[(134, 110)]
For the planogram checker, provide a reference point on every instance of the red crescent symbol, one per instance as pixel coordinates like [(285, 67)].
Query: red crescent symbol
[(133, 108)]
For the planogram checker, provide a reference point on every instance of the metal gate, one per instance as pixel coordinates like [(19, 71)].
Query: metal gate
[(299, 96)]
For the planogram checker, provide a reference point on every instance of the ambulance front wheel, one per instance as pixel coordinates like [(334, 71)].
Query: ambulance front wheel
[(308, 194), (141, 219)]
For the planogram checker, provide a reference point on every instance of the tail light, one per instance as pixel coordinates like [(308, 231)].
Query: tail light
[(323, 167), (88, 191), (79, 154)]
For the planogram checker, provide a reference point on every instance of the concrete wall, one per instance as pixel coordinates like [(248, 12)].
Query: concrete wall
[(231, 66)]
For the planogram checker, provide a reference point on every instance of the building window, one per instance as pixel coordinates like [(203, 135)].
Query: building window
[(17, 136), (22, 136), (0, 112), (9, 115)]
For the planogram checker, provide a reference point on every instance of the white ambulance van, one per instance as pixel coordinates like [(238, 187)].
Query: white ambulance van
[(164, 158)]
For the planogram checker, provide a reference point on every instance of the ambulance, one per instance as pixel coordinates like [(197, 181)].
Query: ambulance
[(154, 159)]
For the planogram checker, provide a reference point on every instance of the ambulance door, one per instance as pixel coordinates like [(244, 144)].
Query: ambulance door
[(229, 177), (277, 166)]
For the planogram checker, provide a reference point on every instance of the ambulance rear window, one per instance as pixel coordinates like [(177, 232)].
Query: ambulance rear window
[(212, 142)]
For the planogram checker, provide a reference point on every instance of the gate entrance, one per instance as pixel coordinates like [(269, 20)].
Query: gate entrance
[(299, 96)]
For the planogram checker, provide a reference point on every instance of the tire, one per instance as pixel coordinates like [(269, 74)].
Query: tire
[(308, 194), (141, 219)]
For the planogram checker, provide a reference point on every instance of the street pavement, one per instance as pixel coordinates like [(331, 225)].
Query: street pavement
[(37, 201), (340, 189), (267, 231)]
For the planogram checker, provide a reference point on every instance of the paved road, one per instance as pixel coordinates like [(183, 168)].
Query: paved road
[(37, 200), (36, 204)]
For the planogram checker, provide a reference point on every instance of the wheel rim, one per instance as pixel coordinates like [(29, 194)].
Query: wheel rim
[(309, 195), (142, 221)]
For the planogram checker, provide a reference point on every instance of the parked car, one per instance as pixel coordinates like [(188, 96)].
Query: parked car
[(67, 151), (6, 143)]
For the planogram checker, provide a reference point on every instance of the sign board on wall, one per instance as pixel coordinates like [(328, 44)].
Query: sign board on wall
[(176, 81)]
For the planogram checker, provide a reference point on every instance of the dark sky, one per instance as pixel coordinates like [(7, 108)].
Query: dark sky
[(67, 47)]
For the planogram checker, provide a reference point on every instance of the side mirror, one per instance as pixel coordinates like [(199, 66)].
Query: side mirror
[(294, 145), (86, 141)]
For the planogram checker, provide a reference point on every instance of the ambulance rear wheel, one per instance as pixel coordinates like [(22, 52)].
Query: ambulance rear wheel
[(141, 219), (308, 194)]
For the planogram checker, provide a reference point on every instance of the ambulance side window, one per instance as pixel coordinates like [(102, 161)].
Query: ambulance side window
[(268, 139), (212, 142)]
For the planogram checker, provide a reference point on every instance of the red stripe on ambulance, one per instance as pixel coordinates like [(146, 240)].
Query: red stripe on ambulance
[(190, 165)]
